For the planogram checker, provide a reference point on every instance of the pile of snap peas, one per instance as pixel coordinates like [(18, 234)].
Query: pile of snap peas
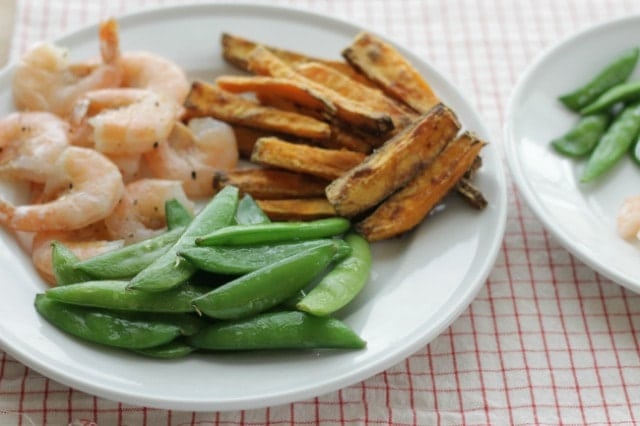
[(609, 123), (226, 279)]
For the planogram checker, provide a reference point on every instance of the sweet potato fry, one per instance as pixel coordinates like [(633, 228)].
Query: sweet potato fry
[(354, 114), (282, 88), (409, 206), (297, 209), (267, 183), (341, 138), (394, 164), (315, 161), (383, 64), (235, 50), (206, 99), (358, 92), (472, 195)]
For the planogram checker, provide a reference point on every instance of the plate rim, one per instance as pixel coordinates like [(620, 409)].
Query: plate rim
[(449, 314)]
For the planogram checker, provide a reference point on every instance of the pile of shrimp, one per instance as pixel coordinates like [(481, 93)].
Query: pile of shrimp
[(103, 144)]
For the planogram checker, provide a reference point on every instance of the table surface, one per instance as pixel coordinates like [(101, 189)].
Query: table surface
[(546, 341)]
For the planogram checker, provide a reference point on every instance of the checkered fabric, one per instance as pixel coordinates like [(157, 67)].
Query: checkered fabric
[(547, 340)]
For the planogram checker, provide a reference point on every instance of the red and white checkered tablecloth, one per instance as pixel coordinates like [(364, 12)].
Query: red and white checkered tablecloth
[(547, 340)]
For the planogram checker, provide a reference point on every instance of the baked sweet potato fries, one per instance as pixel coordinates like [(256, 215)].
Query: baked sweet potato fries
[(366, 137)]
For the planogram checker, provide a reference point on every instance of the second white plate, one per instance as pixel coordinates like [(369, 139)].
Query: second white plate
[(581, 216)]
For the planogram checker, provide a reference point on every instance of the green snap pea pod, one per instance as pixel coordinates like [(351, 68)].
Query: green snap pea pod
[(244, 259), (249, 213), (624, 92), (340, 285), (583, 137), (613, 74), (177, 348), (635, 151), (177, 214), (129, 260), (265, 288), (113, 328), (65, 263), (614, 143), (277, 330), (115, 295), (275, 232), (170, 270)]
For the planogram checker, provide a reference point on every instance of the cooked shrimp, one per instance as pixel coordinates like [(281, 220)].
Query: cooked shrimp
[(148, 71), (628, 219), (140, 213), (124, 121), (44, 80), (92, 187), (128, 164), (85, 243), (30, 144), (145, 70), (193, 154)]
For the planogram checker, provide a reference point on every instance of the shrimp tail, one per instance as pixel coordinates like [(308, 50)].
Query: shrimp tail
[(109, 41)]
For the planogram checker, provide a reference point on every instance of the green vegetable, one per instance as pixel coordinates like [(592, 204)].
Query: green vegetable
[(266, 287), (170, 270), (115, 295), (614, 143), (244, 259), (113, 328), (613, 74), (583, 137), (635, 151), (278, 330), (343, 282), (275, 232), (249, 213), (65, 265), (177, 348), (621, 93), (177, 214), (128, 261)]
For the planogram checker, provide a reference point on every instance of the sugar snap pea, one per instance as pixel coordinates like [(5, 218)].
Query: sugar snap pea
[(176, 214), (614, 143), (249, 213), (115, 295), (170, 270), (129, 260), (266, 287), (614, 73), (583, 137), (343, 282), (635, 151), (277, 330), (240, 260), (113, 328), (177, 348), (622, 93), (64, 263), (275, 232)]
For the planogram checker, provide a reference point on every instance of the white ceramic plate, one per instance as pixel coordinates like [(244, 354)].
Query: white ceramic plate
[(419, 284), (582, 217)]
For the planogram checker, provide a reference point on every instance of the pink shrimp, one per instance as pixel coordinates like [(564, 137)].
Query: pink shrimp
[(85, 243), (140, 213), (193, 154), (44, 80), (628, 219), (88, 186), (123, 121), (30, 144)]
